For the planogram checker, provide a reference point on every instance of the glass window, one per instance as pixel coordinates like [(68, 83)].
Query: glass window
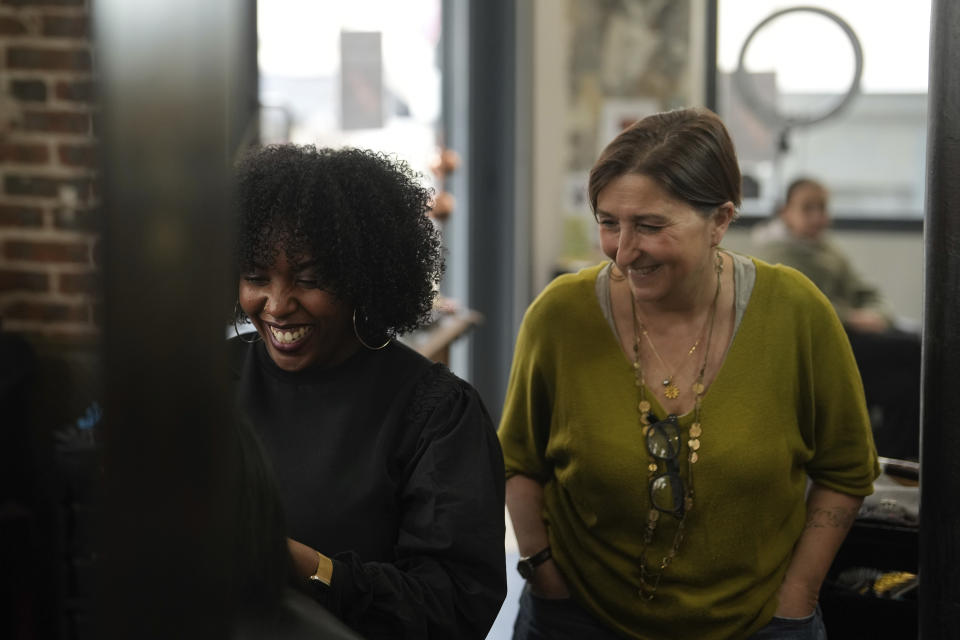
[(798, 67), (363, 73)]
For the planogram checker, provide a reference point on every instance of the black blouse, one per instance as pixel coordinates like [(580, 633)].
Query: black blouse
[(389, 464)]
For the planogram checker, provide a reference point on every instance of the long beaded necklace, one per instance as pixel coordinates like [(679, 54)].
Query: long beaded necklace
[(650, 579)]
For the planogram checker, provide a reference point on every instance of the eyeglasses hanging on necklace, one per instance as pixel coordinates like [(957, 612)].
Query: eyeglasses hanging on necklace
[(668, 493)]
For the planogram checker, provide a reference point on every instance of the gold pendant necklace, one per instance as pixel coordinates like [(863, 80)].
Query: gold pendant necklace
[(670, 390)]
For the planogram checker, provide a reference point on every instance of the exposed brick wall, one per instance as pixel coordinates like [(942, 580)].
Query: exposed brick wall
[(48, 206)]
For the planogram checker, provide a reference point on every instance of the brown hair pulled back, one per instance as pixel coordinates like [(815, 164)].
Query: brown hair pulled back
[(688, 152)]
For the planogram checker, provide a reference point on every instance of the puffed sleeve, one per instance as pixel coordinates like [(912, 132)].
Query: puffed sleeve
[(448, 580)]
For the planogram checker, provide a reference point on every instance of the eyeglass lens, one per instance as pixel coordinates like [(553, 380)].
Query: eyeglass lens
[(666, 493), (663, 439), (663, 443)]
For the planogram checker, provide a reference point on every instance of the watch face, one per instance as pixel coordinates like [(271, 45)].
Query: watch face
[(525, 569)]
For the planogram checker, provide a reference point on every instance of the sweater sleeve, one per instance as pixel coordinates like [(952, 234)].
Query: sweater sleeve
[(845, 458), (525, 423), (448, 579)]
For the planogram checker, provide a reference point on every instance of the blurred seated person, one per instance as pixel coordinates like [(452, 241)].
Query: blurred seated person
[(888, 358), (797, 238)]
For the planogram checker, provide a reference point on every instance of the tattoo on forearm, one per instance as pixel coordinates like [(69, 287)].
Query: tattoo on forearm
[(836, 518)]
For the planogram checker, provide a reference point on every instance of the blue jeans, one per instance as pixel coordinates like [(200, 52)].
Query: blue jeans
[(809, 628), (544, 619)]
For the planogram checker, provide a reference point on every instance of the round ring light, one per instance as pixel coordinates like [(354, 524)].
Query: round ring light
[(769, 112)]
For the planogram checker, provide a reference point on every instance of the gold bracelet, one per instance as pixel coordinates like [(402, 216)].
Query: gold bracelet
[(320, 575)]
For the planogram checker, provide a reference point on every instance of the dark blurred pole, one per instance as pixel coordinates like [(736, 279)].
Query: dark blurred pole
[(491, 167), (243, 79), (710, 49), (940, 413), (172, 77)]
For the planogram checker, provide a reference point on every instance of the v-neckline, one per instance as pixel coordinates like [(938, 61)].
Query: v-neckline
[(614, 333)]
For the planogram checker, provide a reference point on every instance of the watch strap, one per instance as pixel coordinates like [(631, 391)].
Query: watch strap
[(539, 557)]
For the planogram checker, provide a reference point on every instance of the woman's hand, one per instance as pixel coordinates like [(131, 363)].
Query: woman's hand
[(548, 582), (308, 562), (829, 516), (867, 321), (525, 504), (795, 601)]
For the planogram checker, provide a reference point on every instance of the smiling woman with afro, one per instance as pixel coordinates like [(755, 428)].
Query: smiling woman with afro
[(360, 215), (388, 464)]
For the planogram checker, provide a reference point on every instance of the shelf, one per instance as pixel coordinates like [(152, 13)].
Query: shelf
[(434, 342)]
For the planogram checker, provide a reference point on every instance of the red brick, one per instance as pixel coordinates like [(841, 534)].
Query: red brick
[(44, 186), (79, 283), (69, 337), (31, 186), (15, 216), (83, 91), (47, 312), (24, 153), (48, 59), (66, 26), (56, 121), (46, 251), (77, 219), (29, 90), (95, 189), (12, 280), (44, 3), (77, 155), (11, 26)]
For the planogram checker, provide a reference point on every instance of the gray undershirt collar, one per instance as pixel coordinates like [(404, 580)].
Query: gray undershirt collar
[(744, 277)]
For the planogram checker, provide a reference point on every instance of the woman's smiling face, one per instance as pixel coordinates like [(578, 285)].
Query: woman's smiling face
[(662, 244), (301, 324)]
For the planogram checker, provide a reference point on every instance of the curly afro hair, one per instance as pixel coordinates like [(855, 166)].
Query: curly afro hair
[(360, 215)]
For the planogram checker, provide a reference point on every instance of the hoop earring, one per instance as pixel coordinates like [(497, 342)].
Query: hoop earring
[(237, 311), (357, 333)]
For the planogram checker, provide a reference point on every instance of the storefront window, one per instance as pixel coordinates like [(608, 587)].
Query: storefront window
[(363, 73)]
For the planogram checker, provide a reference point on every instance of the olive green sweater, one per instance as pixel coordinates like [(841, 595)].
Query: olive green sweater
[(787, 404)]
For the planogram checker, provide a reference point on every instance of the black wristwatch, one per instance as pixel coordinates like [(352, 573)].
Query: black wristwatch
[(528, 564)]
